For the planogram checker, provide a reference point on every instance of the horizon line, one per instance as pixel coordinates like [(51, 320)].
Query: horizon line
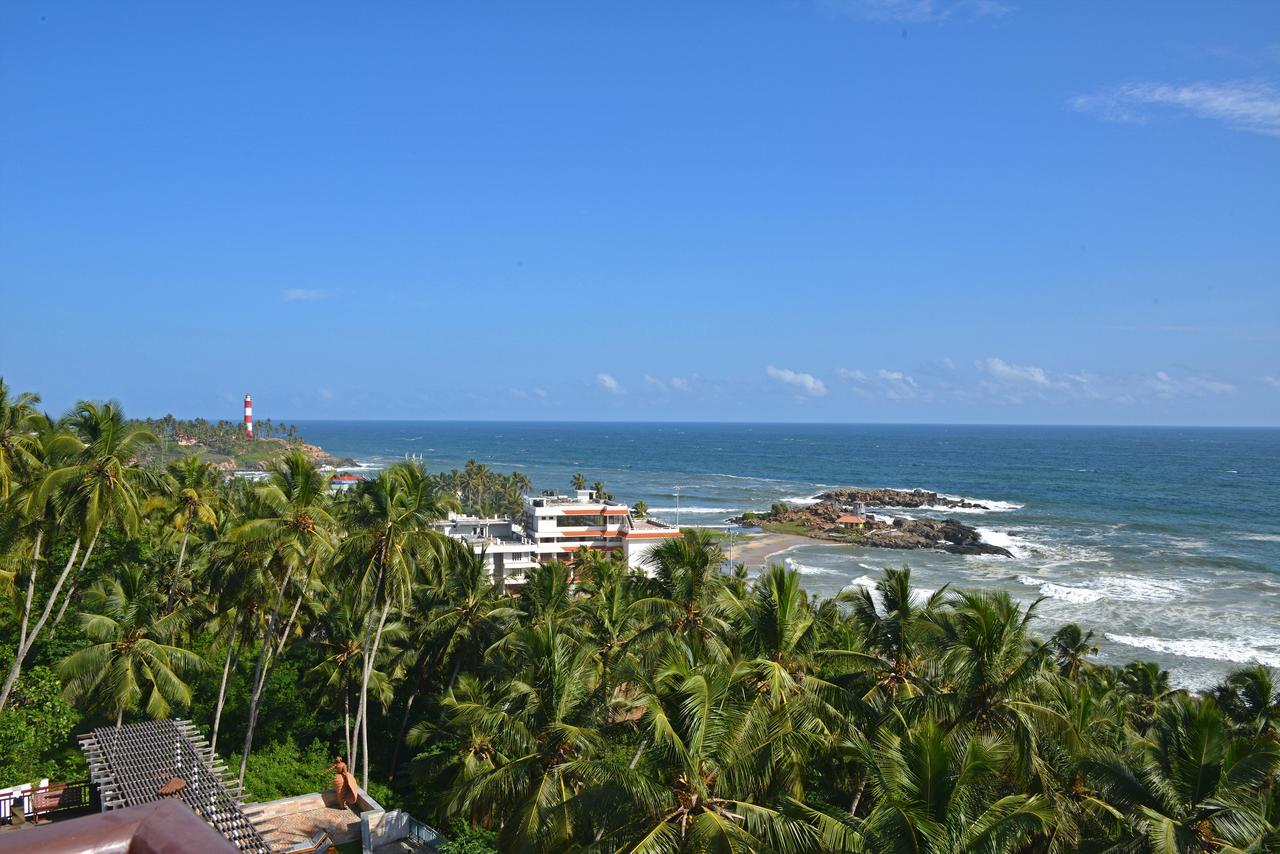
[(289, 420)]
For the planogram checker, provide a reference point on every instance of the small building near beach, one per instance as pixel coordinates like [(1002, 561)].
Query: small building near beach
[(851, 522)]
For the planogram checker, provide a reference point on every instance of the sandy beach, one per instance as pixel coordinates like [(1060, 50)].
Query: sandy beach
[(754, 550)]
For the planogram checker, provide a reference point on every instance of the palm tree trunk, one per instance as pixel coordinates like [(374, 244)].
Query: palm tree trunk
[(362, 716), (177, 571), (222, 689), (25, 646), (75, 581), (259, 680), (364, 658), (346, 715)]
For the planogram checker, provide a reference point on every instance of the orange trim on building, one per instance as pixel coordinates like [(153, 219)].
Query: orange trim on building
[(651, 535)]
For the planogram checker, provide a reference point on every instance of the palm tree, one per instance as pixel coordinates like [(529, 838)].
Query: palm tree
[(1192, 788), (18, 436), (1251, 699), (539, 729), (895, 622), (579, 481), (389, 534), (31, 519), (190, 499), (291, 530), (93, 479), (700, 784), (104, 483), (1071, 647), (685, 590), (133, 661), (936, 792), (991, 663), (462, 615)]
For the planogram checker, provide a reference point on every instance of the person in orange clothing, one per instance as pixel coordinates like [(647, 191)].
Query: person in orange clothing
[(344, 782)]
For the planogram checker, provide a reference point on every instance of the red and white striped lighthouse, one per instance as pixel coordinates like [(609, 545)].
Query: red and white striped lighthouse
[(248, 416)]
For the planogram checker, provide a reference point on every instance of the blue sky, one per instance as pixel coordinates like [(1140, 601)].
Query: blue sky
[(825, 210)]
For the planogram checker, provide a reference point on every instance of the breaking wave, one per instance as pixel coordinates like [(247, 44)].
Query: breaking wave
[(1122, 588), (1218, 650)]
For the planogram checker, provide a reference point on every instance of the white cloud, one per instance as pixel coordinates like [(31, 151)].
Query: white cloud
[(921, 11), (326, 394), (655, 383), (1165, 385), (540, 392), (1247, 106), (1271, 381), (302, 294), (894, 385), (806, 384), (1003, 371), (609, 384), (673, 384), (679, 384)]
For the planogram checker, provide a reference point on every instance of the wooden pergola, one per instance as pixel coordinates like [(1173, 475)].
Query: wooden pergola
[(139, 763)]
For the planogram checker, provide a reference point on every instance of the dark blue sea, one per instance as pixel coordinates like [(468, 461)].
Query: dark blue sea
[(1164, 541)]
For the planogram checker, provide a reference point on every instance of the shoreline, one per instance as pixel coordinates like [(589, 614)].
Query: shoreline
[(756, 551)]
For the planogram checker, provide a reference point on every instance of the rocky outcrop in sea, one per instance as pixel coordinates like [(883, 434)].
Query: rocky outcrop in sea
[(818, 520)]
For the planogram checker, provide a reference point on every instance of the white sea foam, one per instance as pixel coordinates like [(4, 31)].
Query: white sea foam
[(1121, 588), (1017, 546), (806, 569), (694, 509), (1063, 592), (1264, 538), (795, 499), (989, 505), (1238, 651)]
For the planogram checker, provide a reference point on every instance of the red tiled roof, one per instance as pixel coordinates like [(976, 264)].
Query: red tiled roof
[(849, 520)]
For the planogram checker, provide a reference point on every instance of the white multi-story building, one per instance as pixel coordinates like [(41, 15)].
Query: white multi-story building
[(556, 527), (560, 525), (508, 552)]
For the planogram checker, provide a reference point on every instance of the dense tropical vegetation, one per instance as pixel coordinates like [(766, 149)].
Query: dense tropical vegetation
[(687, 708)]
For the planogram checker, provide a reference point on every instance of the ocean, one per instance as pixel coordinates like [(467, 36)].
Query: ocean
[(1165, 542)]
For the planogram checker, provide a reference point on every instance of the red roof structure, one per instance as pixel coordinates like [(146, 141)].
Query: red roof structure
[(850, 520)]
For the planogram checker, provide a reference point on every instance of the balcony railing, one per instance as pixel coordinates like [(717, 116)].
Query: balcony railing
[(43, 801)]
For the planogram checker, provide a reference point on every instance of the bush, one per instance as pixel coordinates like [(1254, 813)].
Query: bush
[(35, 732), (465, 839), (281, 770)]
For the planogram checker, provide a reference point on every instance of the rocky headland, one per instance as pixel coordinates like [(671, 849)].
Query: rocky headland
[(818, 521)]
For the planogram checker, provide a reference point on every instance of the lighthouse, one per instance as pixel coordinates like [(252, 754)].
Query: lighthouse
[(248, 416)]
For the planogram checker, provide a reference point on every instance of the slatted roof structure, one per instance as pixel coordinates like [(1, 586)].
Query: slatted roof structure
[(153, 760)]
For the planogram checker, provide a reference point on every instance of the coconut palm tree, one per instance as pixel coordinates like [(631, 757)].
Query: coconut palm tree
[(1071, 647), (92, 478), (1191, 788), (291, 530), (579, 481), (133, 661), (937, 792), (540, 727), (458, 615), (389, 537), (30, 525), (702, 782), (189, 499), (895, 623), (1251, 699), (684, 594), (18, 436)]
